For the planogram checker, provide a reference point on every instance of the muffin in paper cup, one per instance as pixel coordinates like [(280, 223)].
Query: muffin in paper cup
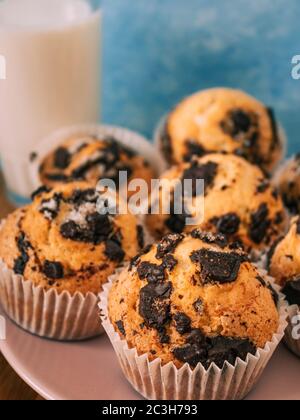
[(283, 263), (155, 379), (93, 152), (55, 256), (227, 126)]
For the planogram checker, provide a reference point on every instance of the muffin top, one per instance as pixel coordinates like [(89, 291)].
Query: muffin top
[(224, 121), (62, 241), (193, 298), (90, 159), (284, 262), (288, 183), (238, 201)]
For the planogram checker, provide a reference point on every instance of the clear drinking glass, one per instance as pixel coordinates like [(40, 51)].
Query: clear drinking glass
[(50, 59)]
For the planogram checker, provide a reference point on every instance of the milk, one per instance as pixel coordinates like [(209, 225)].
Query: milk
[(52, 54)]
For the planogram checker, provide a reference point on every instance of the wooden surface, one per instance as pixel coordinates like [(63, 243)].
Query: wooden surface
[(11, 386)]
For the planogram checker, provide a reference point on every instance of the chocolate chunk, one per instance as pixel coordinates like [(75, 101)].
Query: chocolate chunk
[(164, 338), (168, 245), (218, 350), (80, 197), (120, 325), (135, 260), (259, 224), (23, 246), (50, 207), (53, 270), (98, 229), (193, 148), (176, 222), (279, 218), (228, 349), (210, 238), (291, 202), (198, 306), (197, 171), (183, 323), (140, 236), (62, 158), (228, 224), (153, 273), (218, 267), (169, 262), (41, 190), (154, 304), (292, 291), (114, 251)]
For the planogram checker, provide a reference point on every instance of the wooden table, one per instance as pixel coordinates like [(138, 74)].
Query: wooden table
[(11, 386)]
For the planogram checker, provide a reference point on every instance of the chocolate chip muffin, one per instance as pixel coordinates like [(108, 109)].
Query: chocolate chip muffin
[(284, 262), (288, 182), (223, 121), (193, 298), (90, 159), (62, 242), (238, 201)]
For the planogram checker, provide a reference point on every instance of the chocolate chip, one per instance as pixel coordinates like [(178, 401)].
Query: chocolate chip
[(120, 325), (197, 171), (23, 246), (114, 251), (53, 270), (154, 304), (193, 148), (140, 236), (153, 273), (135, 260), (292, 291), (176, 222), (80, 197), (182, 323), (168, 245), (164, 338), (218, 267), (228, 224), (41, 190), (198, 306), (169, 262), (218, 350), (50, 207), (62, 158), (210, 238), (259, 224), (279, 218)]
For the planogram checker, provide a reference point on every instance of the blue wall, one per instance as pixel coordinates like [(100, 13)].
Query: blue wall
[(157, 51)]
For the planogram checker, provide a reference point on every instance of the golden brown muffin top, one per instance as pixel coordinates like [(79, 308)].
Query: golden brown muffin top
[(224, 121), (238, 200), (90, 159), (284, 262), (61, 241), (288, 182), (193, 298)]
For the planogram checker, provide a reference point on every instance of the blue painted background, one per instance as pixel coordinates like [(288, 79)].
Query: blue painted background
[(157, 51)]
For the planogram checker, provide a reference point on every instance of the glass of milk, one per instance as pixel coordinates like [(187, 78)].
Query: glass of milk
[(49, 77)]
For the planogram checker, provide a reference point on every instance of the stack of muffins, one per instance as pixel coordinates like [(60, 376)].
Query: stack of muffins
[(194, 315)]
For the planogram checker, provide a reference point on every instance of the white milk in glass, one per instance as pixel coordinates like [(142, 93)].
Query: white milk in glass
[(52, 55)]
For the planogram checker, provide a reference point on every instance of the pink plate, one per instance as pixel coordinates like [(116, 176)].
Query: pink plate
[(89, 370)]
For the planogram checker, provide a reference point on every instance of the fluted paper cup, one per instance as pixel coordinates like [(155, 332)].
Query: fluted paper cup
[(156, 381), (46, 313)]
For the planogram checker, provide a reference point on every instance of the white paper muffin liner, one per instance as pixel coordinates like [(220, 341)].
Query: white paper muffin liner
[(155, 381), (158, 132), (292, 333), (126, 137), (45, 312)]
